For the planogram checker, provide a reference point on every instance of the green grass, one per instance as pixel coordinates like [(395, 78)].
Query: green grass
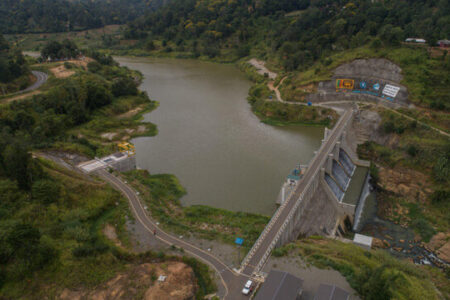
[(85, 39), (279, 114), (373, 274), (80, 213), (426, 79), (417, 148), (162, 193), (108, 120)]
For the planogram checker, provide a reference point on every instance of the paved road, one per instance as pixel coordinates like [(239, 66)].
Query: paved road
[(278, 219), (41, 78), (232, 281)]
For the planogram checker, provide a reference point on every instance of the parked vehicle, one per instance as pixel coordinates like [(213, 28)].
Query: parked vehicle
[(248, 287)]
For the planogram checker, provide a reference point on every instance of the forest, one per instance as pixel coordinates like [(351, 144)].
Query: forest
[(45, 213), (304, 36), (300, 31), (64, 15), (12, 67)]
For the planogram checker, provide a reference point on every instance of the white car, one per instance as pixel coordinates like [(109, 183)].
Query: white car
[(248, 288)]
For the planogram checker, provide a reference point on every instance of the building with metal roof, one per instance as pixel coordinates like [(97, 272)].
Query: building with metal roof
[(331, 292), (280, 286)]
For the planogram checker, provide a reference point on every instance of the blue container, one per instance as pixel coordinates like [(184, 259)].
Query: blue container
[(309, 103)]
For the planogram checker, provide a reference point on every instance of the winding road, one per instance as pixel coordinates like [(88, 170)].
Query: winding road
[(231, 280), (41, 78)]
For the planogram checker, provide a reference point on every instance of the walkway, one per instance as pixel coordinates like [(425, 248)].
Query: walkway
[(258, 255)]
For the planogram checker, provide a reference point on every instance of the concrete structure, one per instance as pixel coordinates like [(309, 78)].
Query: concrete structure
[(280, 286), (331, 292), (314, 207), (363, 241), (119, 161)]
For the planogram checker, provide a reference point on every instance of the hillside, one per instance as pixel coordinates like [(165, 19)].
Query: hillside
[(65, 15), (63, 234), (13, 69), (297, 36)]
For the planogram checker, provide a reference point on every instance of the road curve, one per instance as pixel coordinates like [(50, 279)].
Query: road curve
[(232, 281), (41, 78)]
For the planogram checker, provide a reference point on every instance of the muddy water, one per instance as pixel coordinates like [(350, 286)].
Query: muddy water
[(209, 138)]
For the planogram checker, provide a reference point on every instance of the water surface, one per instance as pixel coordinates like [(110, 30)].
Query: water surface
[(209, 138)]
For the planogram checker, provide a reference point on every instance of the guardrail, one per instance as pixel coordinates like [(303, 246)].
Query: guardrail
[(293, 210)]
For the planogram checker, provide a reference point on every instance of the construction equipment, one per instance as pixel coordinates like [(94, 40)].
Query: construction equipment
[(127, 148)]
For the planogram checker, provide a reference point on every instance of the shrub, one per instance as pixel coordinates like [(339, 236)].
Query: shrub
[(441, 169), (412, 150), (440, 197), (423, 227)]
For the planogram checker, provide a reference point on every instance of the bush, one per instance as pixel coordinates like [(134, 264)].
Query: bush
[(124, 86), (441, 169), (412, 150), (94, 67), (68, 65), (423, 227), (440, 197)]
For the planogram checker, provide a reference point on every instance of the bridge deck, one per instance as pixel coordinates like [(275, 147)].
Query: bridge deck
[(264, 245)]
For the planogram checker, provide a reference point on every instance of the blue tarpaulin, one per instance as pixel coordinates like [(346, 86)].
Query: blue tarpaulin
[(239, 241)]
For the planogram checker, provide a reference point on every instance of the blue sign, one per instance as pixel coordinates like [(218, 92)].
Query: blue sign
[(239, 241), (376, 86), (362, 84)]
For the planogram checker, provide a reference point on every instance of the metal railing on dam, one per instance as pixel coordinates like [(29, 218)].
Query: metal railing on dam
[(277, 226)]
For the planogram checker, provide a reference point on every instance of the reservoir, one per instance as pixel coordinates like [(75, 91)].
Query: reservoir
[(211, 141)]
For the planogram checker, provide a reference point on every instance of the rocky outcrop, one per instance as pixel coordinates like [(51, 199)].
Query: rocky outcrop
[(373, 67), (440, 244)]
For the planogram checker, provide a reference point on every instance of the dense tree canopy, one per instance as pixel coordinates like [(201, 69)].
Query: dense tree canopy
[(304, 29), (65, 15), (40, 122), (12, 62), (55, 50)]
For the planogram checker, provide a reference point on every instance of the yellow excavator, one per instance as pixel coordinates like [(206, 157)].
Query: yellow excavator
[(127, 148)]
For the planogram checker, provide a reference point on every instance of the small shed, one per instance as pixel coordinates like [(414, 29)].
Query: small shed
[(331, 292), (444, 43), (363, 241), (415, 40), (280, 285)]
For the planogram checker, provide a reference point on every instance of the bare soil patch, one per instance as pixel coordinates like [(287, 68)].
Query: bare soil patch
[(130, 113), (110, 232), (141, 282), (62, 72), (440, 244), (109, 135)]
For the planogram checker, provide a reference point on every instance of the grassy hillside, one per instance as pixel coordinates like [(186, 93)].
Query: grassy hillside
[(373, 274), (52, 218)]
